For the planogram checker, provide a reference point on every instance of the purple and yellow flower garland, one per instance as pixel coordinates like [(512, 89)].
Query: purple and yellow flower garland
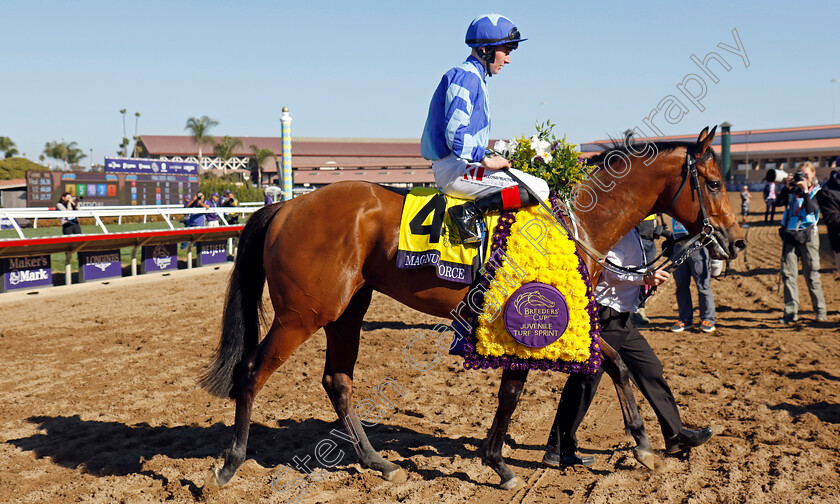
[(489, 345)]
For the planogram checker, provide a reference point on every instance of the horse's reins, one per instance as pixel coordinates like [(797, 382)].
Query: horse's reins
[(704, 238)]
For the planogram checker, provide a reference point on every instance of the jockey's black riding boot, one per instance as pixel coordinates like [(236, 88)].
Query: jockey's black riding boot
[(466, 216)]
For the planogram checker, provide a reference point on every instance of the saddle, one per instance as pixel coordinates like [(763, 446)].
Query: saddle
[(428, 237), (532, 306)]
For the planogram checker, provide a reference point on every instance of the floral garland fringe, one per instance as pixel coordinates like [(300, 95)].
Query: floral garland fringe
[(489, 345)]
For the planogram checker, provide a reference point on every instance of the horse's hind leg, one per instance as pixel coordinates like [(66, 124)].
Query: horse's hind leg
[(491, 452), (633, 423), (281, 340), (342, 351)]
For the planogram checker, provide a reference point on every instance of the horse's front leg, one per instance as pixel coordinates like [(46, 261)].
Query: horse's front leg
[(491, 452), (633, 423)]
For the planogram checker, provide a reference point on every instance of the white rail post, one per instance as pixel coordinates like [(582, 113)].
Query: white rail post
[(134, 256), (166, 217), (189, 254), (99, 222), (68, 271), (15, 225)]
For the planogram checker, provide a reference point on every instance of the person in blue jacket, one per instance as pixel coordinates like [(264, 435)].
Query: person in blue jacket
[(802, 212), (457, 131)]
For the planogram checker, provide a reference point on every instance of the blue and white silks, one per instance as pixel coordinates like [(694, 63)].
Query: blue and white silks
[(459, 115)]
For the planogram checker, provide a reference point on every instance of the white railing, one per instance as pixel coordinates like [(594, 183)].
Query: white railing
[(164, 211)]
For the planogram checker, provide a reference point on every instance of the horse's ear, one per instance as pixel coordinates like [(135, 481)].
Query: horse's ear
[(702, 134), (705, 140)]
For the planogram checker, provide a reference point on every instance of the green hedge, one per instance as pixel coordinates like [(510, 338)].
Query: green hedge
[(244, 191), (16, 167)]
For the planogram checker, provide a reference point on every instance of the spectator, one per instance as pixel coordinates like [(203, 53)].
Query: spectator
[(800, 238), (268, 200), (830, 208), (697, 266), (230, 201), (770, 202), (745, 205), (196, 220), (829, 200), (213, 218), (617, 295), (69, 225)]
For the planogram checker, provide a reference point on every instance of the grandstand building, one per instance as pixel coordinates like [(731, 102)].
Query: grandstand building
[(320, 161), (315, 161), (754, 151)]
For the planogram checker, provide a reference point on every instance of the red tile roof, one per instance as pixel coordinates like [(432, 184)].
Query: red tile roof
[(161, 145), (400, 176), (13, 183), (806, 140)]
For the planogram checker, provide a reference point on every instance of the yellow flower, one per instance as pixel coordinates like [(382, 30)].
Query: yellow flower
[(557, 267)]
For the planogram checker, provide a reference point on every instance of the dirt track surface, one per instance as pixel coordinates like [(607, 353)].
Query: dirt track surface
[(100, 404)]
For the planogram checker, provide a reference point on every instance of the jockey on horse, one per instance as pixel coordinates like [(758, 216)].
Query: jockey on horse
[(457, 132)]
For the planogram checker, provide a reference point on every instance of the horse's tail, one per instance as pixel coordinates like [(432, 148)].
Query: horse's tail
[(243, 306)]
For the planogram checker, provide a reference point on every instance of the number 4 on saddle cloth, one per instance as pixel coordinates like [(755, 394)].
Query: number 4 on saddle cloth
[(428, 237), (531, 305)]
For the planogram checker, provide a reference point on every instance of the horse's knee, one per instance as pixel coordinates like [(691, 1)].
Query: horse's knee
[(512, 390)]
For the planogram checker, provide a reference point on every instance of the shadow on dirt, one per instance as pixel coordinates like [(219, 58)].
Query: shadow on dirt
[(113, 448), (395, 325), (826, 412)]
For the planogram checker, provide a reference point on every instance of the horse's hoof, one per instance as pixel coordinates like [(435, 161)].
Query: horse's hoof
[(397, 476), (510, 484), (211, 483), (645, 457)]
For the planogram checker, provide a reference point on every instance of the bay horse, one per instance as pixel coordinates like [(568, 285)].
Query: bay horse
[(323, 254)]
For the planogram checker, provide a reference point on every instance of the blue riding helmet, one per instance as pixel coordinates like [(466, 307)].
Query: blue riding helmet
[(492, 30)]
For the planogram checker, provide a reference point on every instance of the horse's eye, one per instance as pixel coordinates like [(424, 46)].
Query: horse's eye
[(713, 185)]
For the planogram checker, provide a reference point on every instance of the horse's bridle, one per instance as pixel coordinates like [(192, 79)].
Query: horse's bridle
[(702, 239)]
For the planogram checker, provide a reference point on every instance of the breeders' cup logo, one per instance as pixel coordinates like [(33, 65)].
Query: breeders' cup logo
[(14, 277), (535, 305), (536, 315), (161, 257)]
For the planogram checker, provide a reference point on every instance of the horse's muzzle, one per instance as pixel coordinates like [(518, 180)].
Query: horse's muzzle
[(725, 246)]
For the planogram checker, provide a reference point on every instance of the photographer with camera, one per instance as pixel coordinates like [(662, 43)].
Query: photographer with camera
[(196, 220), (229, 200), (69, 225), (800, 238)]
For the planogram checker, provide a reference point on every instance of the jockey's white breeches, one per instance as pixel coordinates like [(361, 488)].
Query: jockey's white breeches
[(460, 179)]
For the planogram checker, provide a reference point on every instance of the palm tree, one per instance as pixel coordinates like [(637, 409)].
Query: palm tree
[(54, 150), (73, 154), (224, 149), (124, 143), (7, 146), (136, 120), (260, 156), (200, 129)]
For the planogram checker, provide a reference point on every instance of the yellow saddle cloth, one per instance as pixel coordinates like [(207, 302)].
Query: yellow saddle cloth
[(428, 237)]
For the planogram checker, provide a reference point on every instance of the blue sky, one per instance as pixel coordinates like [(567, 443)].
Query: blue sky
[(368, 69)]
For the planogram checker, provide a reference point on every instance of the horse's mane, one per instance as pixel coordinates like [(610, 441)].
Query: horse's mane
[(622, 147)]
